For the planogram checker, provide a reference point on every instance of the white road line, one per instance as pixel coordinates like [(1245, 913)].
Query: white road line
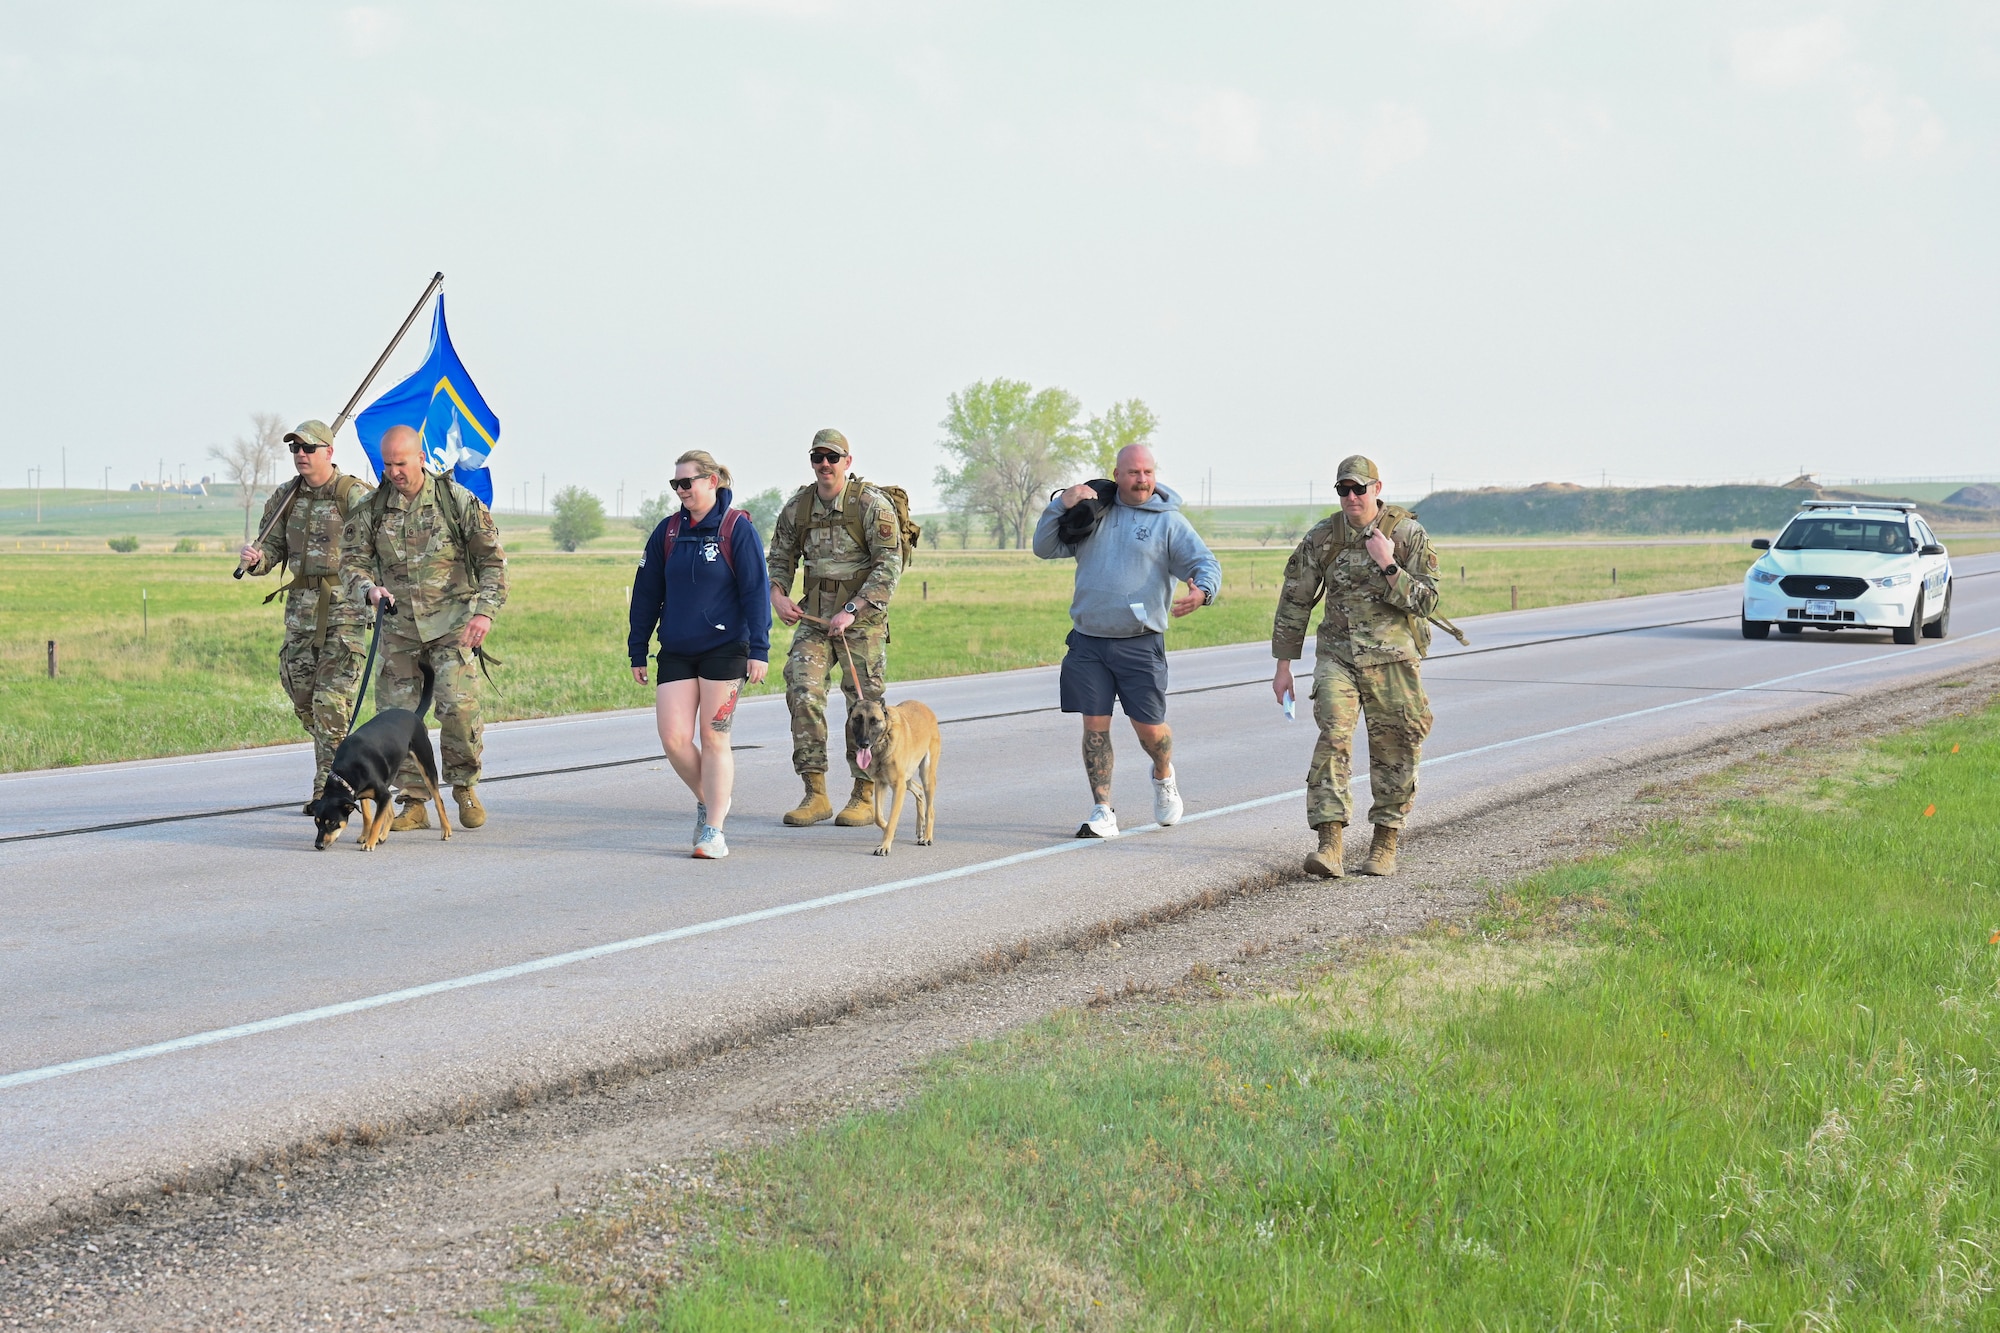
[(215, 1035)]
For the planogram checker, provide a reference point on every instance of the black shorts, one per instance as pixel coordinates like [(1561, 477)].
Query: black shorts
[(729, 662), (1134, 671)]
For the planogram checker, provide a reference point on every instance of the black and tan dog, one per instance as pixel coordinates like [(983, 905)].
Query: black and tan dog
[(364, 771), (897, 746)]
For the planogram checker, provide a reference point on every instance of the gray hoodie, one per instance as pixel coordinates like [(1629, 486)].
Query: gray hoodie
[(1126, 570)]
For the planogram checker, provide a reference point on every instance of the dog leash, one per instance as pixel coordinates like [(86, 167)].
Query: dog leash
[(840, 642), (367, 672)]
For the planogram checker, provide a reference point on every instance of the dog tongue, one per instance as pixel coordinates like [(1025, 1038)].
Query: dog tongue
[(864, 757)]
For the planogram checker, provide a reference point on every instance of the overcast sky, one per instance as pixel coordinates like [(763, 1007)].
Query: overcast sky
[(1486, 240)]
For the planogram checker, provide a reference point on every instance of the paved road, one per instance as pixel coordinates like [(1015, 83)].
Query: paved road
[(201, 987)]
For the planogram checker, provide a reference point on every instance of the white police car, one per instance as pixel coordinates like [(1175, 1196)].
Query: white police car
[(1841, 565)]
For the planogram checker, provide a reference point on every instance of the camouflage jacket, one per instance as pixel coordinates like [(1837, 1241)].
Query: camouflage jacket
[(307, 547), (1370, 619), (837, 568), (411, 551)]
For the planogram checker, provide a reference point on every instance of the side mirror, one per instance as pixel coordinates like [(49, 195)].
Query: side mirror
[(1760, 543), (1932, 549)]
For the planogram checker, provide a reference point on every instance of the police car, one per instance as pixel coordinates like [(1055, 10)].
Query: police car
[(1841, 565)]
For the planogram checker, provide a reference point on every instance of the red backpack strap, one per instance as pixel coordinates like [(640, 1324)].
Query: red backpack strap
[(728, 547), (673, 532)]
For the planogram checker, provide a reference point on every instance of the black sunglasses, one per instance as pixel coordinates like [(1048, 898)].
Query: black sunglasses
[(1351, 487), (683, 483), (301, 447), (822, 457)]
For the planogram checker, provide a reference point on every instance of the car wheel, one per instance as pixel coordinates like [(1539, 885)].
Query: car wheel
[(1908, 633), (1756, 629), (1790, 627), (1938, 628)]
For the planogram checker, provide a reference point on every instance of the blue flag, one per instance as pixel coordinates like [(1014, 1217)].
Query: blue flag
[(441, 403)]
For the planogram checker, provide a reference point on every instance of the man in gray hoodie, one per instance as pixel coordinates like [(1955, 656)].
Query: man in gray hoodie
[(1125, 573)]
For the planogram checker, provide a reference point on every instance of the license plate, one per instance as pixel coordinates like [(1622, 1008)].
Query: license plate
[(1820, 608)]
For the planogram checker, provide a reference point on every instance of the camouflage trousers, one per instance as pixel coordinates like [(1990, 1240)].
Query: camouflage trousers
[(454, 702), (813, 657), (321, 683), (1399, 717)]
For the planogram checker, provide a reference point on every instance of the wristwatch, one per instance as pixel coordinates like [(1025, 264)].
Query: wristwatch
[(1389, 570), (851, 609)]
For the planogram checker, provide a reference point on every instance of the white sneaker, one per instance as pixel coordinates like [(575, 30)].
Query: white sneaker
[(1103, 823), (700, 819), (710, 846), (1166, 801)]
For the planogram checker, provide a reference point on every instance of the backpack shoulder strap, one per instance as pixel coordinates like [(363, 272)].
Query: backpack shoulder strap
[(850, 511), (729, 521), (802, 509)]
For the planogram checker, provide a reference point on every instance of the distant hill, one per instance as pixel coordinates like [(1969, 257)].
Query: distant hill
[(1559, 507)]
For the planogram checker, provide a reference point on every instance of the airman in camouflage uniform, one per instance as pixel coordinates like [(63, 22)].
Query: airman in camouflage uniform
[(1374, 564), (848, 534), (436, 551), (325, 640)]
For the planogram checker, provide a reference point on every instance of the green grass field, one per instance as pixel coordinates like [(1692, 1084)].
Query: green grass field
[(1737, 1076), (190, 665)]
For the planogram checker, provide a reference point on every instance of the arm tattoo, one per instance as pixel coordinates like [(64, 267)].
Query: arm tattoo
[(1097, 764)]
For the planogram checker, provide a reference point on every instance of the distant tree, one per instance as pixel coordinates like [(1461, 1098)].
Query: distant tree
[(123, 545), (1129, 422), (1202, 521), (1293, 526), (251, 462), (1266, 533), (652, 511), (763, 509), (960, 523), (1009, 446), (579, 518)]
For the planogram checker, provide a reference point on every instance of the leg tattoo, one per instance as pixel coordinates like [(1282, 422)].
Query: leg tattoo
[(1161, 748), (725, 716), (1097, 764)]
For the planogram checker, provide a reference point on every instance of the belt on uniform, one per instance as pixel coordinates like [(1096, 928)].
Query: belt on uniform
[(326, 583)]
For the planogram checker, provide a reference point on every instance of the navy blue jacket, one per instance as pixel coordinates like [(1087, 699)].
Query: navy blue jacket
[(690, 593)]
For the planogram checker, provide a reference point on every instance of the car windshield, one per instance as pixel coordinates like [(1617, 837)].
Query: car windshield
[(1884, 536)]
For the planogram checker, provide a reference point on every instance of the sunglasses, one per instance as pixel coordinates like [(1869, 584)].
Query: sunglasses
[(1351, 487), (300, 447), (683, 483), (824, 457)]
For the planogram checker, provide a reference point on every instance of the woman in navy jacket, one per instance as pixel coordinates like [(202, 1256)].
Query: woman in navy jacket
[(702, 581)]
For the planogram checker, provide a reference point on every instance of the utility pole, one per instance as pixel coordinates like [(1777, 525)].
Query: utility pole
[(35, 481), (545, 492), (107, 483)]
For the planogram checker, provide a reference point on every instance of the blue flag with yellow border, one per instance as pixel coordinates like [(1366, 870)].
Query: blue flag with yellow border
[(441, 403)]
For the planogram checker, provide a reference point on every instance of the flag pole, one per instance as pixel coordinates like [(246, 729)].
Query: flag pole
[(437, 281)]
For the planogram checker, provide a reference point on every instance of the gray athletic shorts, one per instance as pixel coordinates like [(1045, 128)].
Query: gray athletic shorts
[(1133, 671)]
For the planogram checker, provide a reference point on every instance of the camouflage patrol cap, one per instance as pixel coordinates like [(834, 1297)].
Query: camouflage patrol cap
[(311, 432), (831, 439), (1356, 468)]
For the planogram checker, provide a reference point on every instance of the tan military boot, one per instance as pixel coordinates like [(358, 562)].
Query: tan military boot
[(412, 815), (815, 806), (1382, 853), (1325, 862), (471, 814), (860, 807)]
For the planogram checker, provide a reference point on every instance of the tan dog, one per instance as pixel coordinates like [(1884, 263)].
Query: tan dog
[(896, 745)]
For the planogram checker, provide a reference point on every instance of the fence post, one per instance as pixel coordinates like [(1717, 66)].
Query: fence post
[(52, 659), (1614, 576), (1513, 597), (927, 590), (145, 616)]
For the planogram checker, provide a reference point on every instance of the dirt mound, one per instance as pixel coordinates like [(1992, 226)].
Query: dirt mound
[(1975, 497)]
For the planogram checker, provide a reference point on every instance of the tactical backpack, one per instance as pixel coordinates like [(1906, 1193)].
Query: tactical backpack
[(454, 520), (343, 492), (1388, 518), (910, 531)]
